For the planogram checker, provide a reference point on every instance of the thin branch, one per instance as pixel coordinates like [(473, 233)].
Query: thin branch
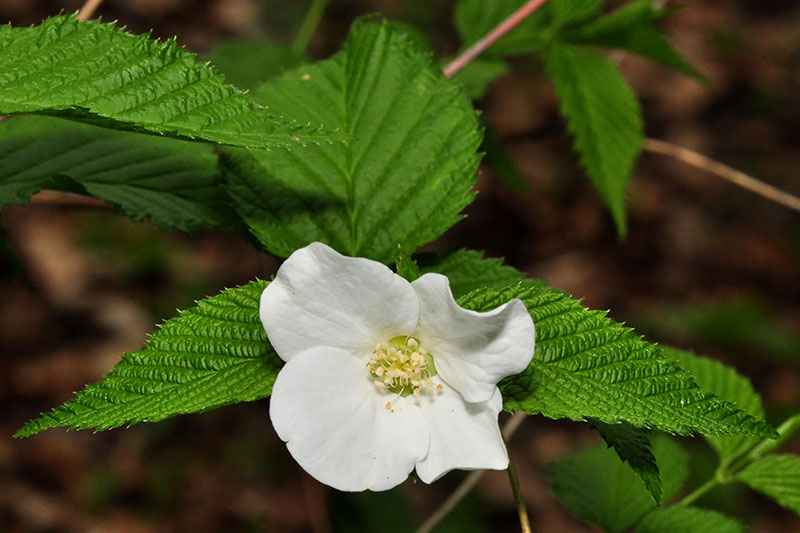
[(88, 9), (698, 492), (309, 26), (450, 503), (469, 482), (490, 38), (690, 157)]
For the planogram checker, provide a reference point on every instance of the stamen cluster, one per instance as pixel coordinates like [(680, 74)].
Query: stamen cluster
[(402, 366)]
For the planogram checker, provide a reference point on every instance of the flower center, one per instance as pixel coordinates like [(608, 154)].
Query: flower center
[(402, 366)]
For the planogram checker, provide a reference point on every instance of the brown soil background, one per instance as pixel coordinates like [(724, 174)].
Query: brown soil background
[(706, 266)]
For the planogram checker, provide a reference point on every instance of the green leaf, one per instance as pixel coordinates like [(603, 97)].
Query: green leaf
[(776, 476), (404, 177), (567, 11), (413, 34), (587, 366), (247, 64), (406, 266), (597, 487), (356, 512), (729, 385), (688, 520), (631, 28), (633, 447), (604, 118), (475, 18), (211, 355), (168, 182), (479, 73), (93, 72), (468, 270), (497, 157)]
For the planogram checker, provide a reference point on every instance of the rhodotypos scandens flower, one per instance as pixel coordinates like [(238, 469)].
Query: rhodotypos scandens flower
[(383, 376)]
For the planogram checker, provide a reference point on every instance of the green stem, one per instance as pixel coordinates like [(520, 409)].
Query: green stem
[(727, 471), (761, 448), (521, 511), (699, 491), (309, 26)]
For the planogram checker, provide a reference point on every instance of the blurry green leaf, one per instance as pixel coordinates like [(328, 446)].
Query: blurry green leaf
[(479, 73), (94, 72), (357, 512), (249, 63), (210, 355), (404, 177), (633, 447), (413, 34), (496, 156), (586, 365), (776, 476), (685, 519), (468, 270), (734, 325), (631, 28), (597, 487), (566, 11), (729, 385), (169, 182), (604, 118)]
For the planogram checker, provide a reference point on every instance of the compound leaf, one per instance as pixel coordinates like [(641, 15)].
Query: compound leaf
[(632, 445), (468, 270), (631, 28), (597, 487), (402, 179), (588, 366), (568, 11), (475, 18), (776, 476), (604, 118), (729, 385), (94, 72), (213, 354), (688, 520), (247, 64), (169, 182)]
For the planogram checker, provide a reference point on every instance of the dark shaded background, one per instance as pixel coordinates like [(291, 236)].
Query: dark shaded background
[(706, 266)]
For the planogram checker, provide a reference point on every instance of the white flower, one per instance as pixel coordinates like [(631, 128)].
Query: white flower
[(383, 376)]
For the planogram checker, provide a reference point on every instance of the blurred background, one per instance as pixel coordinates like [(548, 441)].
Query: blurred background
[(706, 266)]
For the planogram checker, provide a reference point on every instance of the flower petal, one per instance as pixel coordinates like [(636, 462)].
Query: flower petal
[(463, 435), (322, 298), (472, 351), (337, 426)]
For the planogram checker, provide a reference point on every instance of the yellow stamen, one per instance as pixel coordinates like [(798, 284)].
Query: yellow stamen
[(402, 366)]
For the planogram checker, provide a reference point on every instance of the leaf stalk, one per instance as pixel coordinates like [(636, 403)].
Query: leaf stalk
[(309, 26), (512, 21)]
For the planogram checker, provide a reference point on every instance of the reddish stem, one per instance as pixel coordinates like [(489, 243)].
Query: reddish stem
[(88, 9), (490, 38)]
